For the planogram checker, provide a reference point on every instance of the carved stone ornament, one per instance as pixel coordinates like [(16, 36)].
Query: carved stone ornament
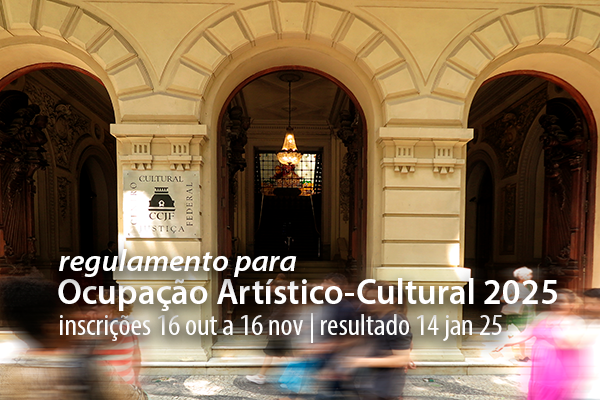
[(235, 128), (65, 124), (22, 140), (506, 133), (566, 163), (350, 136), (63, 195)]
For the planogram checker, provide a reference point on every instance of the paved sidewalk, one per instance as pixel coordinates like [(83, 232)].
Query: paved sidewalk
[(232, 387)]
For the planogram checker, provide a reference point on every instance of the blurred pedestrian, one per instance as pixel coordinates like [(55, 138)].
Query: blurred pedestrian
[(589, 387), (278, 346), (121, 351), (518, 314), (54, 367), (555, 355), (330, 345), (384, 370)]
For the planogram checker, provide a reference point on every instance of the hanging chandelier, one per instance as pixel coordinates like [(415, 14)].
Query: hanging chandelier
[(289, 154)]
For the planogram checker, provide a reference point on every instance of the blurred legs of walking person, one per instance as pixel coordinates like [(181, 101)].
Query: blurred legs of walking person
[(518, 314), (383, 371), (277, 346), (55, 367)]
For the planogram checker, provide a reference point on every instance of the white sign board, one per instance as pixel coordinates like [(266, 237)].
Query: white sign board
[(161, 204)]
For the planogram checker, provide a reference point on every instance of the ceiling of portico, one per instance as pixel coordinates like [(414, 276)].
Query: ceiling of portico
[(316, 101), (72, 86)]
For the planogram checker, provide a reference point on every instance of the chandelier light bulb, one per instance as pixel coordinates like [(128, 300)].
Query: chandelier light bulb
[(289, 154)]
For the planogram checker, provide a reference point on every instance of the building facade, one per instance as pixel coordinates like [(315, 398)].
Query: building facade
[(409, 77)]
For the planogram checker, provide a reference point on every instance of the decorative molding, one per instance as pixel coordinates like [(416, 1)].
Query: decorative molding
[(356, 37), (441, 148), (141, 141), (444, 161), (528, 27), (85, 92), (65, 123), (81, 30), (180, 158), (141, 153), (506, 133), (404, 160), (22, 141), (63, 186)]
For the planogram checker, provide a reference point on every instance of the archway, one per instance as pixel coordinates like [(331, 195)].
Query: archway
[(325, 220), (539, 136), (71, 156)]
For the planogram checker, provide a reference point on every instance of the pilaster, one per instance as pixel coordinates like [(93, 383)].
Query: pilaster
[(423, 210), (169, 155)]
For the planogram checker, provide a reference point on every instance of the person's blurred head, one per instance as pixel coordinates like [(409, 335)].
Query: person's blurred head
[(31, 305), (566, 302), (591, 300), (112, 246), (334, 279), (523, 274)]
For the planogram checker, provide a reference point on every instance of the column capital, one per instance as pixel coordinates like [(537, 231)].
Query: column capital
[(406, 148), (174, 146)]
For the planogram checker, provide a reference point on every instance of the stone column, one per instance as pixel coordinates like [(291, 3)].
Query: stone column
[(423, 195), (165, 159)]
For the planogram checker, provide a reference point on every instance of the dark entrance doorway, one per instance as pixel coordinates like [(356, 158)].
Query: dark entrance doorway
[(528, 181), (314, 210), (287, 205)]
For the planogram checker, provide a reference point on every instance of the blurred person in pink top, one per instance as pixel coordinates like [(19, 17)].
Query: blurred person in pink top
[(589, 387), (556, 353)]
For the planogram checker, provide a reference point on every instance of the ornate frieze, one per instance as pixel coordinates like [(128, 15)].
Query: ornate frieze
[(159, 147), (65, 123), (63, 195), (351, 136), (507, 131), (406, 149)]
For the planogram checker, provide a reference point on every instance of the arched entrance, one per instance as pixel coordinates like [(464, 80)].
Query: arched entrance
[(534, 152), (62, 201), (324, 222)]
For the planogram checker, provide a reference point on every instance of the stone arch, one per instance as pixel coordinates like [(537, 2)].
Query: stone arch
[(47, 31), (571, 31), (207, 51), (279, 53)]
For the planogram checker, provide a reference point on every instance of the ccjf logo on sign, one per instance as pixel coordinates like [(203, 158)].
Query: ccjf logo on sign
[(161, 205)]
